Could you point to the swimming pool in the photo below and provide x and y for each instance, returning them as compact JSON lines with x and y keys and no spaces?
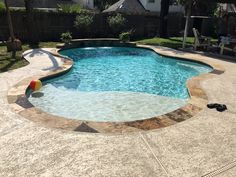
{"x":117,"y":84}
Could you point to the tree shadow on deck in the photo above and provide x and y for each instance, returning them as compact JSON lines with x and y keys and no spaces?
{"x":42,"y":52}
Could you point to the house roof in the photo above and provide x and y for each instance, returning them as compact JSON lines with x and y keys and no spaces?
{"x":127,"y":7}
{"x":231,"y":8}
{"x":39,"y":3}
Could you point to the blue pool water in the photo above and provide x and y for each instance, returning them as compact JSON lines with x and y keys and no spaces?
{"x":128,"y":69}
{"x":121,"y":77}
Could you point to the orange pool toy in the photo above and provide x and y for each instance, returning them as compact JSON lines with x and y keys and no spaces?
{"x":35,"y":85}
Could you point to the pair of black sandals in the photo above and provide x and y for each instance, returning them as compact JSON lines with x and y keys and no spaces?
{"x":219,"y":107}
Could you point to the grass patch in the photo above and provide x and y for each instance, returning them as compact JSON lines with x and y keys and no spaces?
{"x":174,"y":42}
{"x":8,"y":63}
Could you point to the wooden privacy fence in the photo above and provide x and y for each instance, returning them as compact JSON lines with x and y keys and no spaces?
{"x":49,"y":25}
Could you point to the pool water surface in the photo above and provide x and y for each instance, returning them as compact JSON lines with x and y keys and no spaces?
{"x":116,"y":84}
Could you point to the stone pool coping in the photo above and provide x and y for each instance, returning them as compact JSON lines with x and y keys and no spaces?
{"x":198,"y":99}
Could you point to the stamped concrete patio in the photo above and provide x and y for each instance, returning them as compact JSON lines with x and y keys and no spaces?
{"x":204,"y":145}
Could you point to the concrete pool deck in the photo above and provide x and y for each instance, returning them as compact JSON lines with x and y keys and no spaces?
{"x":204,"y":145}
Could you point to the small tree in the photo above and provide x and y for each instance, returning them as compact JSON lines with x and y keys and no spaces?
{"x":188,"y":8}
{"x":189,"y":4}
{"x":116,"y":23}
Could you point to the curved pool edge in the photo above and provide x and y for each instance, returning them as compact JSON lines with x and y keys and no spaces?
{"x":198,"y":99}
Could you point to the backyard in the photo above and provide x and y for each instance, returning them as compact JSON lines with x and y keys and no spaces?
{"x":118,"y":88}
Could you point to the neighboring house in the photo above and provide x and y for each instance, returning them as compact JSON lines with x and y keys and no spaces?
{"x":127,"y":7}
{"x":227,"y":8}
{"x":52,"y":3}
{"x":142,"y":6}
{"x":155,"y":6}
{"x":88,"y":4}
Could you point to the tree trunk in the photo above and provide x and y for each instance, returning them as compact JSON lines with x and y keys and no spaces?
{"x":30,"y":26}
{"x":164,"y":18}
{"x":188,"y":9}
{"x":10,"y":29}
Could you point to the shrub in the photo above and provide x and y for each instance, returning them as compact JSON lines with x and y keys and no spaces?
{"x":66,"y":37}
{"x":2,"y":7}
{"x":84,"y":21}
{"x":125,"y":37}
{"x":116,"y":23}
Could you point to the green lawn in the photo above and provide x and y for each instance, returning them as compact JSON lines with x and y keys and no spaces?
{"x":173,"y":42}
{"x":8,"y":63}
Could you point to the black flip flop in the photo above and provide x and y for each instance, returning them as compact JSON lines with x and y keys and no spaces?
{"x":213,"y":105}
{"x":221,"y":108}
